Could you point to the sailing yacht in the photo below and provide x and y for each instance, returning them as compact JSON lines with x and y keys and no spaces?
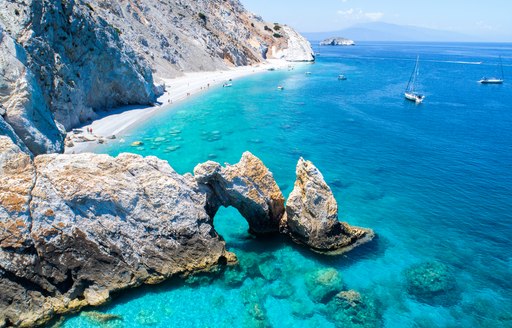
{"x":410,"y":93}
{"x":494,"y":80}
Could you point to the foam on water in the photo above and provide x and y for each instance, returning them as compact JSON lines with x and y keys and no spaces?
{"x":434,"y":181}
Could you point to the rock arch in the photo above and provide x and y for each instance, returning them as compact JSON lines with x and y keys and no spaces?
{"x":311,"y":214}
{"x":249,"y":187}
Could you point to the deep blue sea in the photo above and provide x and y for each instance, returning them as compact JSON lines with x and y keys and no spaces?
{"x":433,"y":180}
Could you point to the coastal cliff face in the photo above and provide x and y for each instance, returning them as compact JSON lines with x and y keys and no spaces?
{"x":62,"y":61}
{"x":76,"y":228}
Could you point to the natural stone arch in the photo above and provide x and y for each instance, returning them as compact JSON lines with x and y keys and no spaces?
{"x":247,"y":186}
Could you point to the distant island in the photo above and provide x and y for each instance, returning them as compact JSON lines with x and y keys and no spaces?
{"x":380,"y":31}
{"x":337,"y":42}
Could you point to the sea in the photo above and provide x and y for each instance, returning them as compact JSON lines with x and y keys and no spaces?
{"x":433,"y":180}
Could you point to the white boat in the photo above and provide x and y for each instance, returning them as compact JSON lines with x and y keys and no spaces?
{"x":227,"y":85}
{"x":491,"y":80}
{"x":494,"y":80}
{"x":342,"y":77}
{"x":308,"y":73}
{"x":410,"y":92}
{"x":280,"y":88}
{"x":413,"y":96}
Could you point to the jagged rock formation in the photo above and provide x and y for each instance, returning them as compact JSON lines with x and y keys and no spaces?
{"x":337,"y":42}
{"x":75,"y":228}
{"x":312,"y":215}
{"x":62,"y":61}
{"x":249,"y":187}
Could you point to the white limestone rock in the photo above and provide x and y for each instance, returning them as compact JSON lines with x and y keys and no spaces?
{"x":299,"y":49}
{"x":337,"y":42}
{"x":22,"y":101}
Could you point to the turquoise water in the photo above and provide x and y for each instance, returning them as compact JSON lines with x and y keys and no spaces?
{"x":433,"y":180}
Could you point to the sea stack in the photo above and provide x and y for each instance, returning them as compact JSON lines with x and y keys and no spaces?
{"x":312,"y":215}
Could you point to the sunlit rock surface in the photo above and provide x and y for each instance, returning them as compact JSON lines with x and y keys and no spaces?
{"x":76,"y":228}
{"x":312,"y":215}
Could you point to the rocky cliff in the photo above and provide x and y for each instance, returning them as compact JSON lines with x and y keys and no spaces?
{"x":76,"y":228}
{"x":62,"y":61}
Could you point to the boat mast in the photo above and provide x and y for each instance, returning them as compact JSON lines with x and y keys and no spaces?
{"x":501,"y":65}
{"x":412,"y":79}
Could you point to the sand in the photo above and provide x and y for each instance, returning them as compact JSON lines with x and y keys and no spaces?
{"x":177,"y":90}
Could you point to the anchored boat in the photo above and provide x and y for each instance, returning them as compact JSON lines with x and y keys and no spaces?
{"x":410,"y":92}
{"x":494,"y":80}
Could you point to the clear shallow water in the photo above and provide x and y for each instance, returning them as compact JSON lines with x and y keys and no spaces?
{"x":434,"y":181}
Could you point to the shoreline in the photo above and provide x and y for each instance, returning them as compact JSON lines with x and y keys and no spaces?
{"x":109,"y":124}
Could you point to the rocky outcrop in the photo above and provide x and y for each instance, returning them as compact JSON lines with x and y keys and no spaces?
{"x":63,"y":61}
{"x":298,"y":50}
{"x":312,"y":215}
{"x":249,"y":187}
{"x":76,"y":228}
{"x":337,"y":42}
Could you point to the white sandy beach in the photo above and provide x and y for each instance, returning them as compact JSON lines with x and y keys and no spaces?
{"x":177,"y":89}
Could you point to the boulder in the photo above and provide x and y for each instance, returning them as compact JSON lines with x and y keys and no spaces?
{"x":281,"y":289}
{"x":351,"y":309}
{"x":431,"y":283}
{"x":323,"y":284}
{"x":312,"y":215}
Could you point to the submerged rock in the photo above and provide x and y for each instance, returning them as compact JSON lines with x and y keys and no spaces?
{"x":281,"y":289}
{"x":432,"y":283}
{"x":303,"y":309}
{"x":351,"y":309}
{"x":147,"y":318}
{"x":312,"y":215}
{"x":323,"y":284}
{"x":101,"y":318}
{"x":137,"y":144}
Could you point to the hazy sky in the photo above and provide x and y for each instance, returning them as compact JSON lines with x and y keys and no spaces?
{"x":475,"y":17}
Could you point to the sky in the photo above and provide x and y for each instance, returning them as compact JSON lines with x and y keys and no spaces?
{"x":484,"y":18}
